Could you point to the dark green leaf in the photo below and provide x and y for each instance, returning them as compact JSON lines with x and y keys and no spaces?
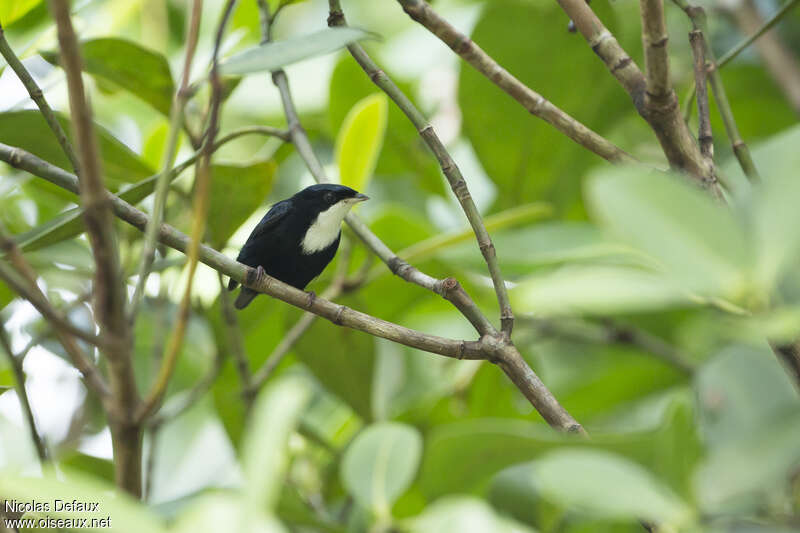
{"x":236,"y":191}
{"x":526,"y":157}
{"x":129,"y":66}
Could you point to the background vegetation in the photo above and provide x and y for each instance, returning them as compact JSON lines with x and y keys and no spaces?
{"x":661,"y":310}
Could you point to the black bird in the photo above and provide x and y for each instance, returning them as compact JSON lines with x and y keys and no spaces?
{"x":298,"y":237}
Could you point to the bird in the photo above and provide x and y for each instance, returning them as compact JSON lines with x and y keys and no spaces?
{"x":298,"y":237}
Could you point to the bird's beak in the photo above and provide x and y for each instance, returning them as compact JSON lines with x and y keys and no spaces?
{"x":360,"y":197}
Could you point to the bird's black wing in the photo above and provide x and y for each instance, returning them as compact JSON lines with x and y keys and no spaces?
{"x":276,"y":213}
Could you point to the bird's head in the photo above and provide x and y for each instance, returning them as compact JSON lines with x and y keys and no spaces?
{"x":328,"y":197}
{"x":326,"y":205}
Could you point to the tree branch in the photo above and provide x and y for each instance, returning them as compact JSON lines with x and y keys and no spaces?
{"x":487,"y":347}
{"x":449,"y":168}
{"x":37,"y":96}
{"x":532,"y":101}
{"x":109,"y":287}
{"x":704,"y":136}
{"x":179,"y":100}
{"x":663,"y":114}
{"x":22,"y":396}
{"x":654,"y":40}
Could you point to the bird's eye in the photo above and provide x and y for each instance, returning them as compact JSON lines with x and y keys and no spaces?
{"x":329,"y":197}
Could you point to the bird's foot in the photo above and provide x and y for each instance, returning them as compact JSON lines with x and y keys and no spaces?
{"x":260,"y":275}
{"x":312,"y":297}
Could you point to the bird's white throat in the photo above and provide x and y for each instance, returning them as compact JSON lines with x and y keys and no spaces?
{"x":326,"y":227}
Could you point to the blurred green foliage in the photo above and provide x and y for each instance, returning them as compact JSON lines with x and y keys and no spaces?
{"x":355,"y":434}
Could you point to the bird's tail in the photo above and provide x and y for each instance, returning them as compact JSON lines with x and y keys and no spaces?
{"x":245,"y":297}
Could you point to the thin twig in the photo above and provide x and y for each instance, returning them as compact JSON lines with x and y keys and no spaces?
{"x":498,"y":351}
{"x":698,"y":18}
{"x":613,"y":332}
{"x":734,"y":52}
{"x":704,"y":128}
{"x":449,"y":167}
{"x":233,"y":333}
{"x":65,"y":331}
{"x":37,"y":96}
{"x":22,"y":396}
{"x":199,"y":213}
{"x":191,"y":397}
{"x":532,"y":101}
{"x":777,"y":58}
{"x":162,"y":184}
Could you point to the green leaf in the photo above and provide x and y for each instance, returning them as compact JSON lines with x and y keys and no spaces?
{"x":126,"y":64}
{"x":463,"y":514}
{"x":29,"y":131}
{"x":741,"y":391}
{"x":265,"y":457}
{"x":6,"y":295}
{"x":527,"y":158}
{"x":606,"y":485}
{"x":70,"y":223}
{"x":742,"y":474}
{"x":404,"y":156}
{"x":699,"y":242}
{"x":380,"y":464}
{"x":776,"y":219}
{"x":11,"y":11}
{"x":597,"y":289}
{"x":275,"y":55}
{"x":237,"y":190}
{"x":342,"y":360}
{"x":360,"y":139}
{"x":126,"y":513}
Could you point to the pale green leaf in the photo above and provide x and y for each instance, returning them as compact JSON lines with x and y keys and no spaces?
{"x":699,"y":242}
{"x":463,"y":514}
{"x":596,"y":289}
{"x":275,"y":55}
{"x":380,"y":464}
{"x":265,"y":457}
{"x":360,"y":140}
{"x":606,"y":485}
{"x":126,"y":513}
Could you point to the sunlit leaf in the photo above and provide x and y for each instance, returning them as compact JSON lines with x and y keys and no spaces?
{"x":129,"y":66}
{"x":360,"y":140}
{"x":16,"y":9}
{"x":380,"y":464}
{"x":29,"y":131}
{"x":275,"y":55}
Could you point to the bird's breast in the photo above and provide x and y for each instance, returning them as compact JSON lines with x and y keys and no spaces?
{"x":324,"y":230}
